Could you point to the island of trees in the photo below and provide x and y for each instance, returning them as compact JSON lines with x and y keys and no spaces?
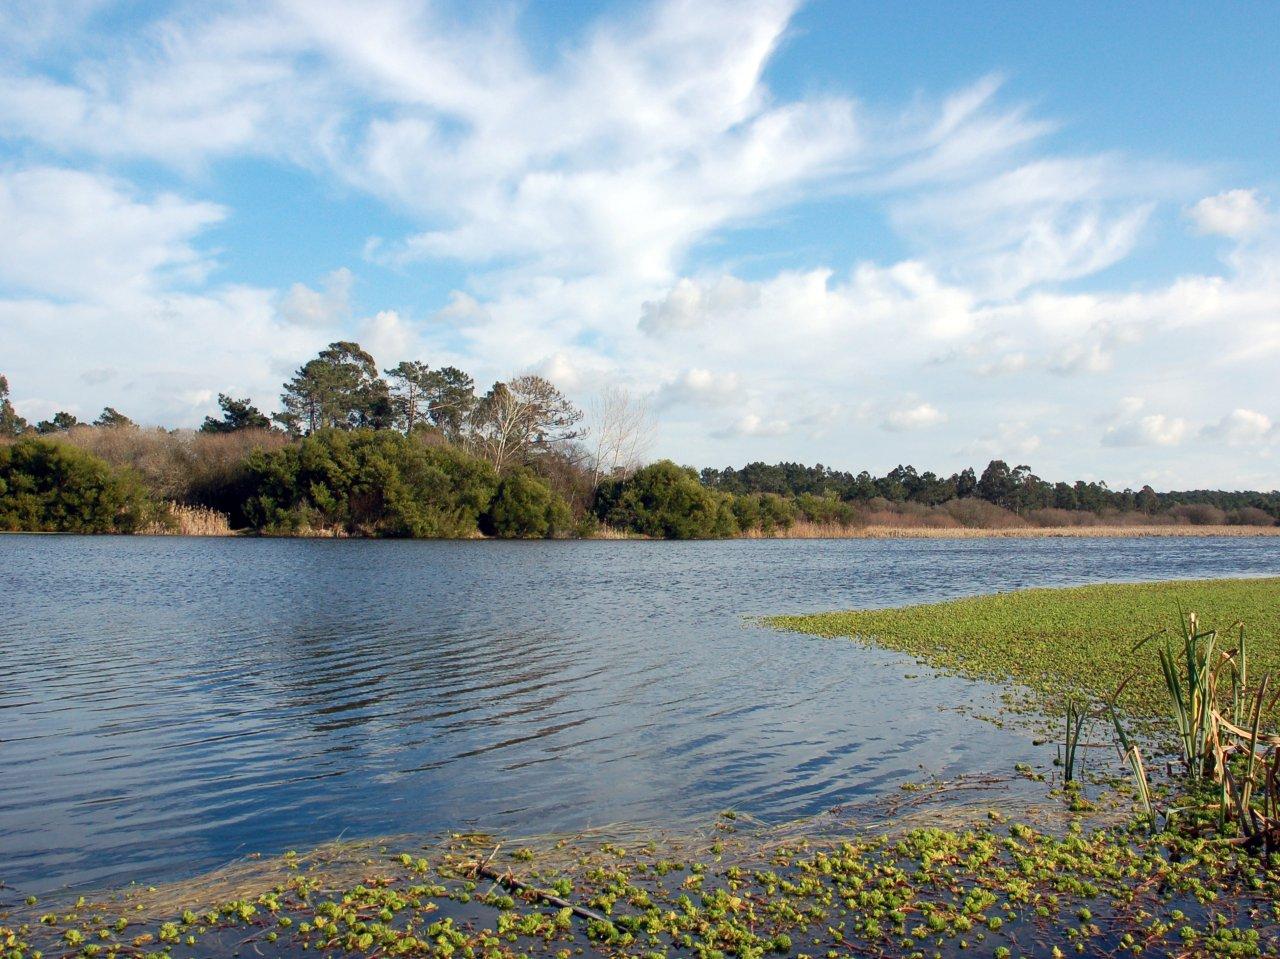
{"x":417,"y":451}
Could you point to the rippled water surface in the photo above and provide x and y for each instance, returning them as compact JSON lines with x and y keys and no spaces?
{"x":169,"y":704}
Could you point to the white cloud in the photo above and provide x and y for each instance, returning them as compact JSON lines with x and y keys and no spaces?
{"x":753,"y":425}
{"x":699,"y":387}
{"x":1241,"y":427}
{"x":327,"y":307}
{"x":1235,"y":213}
{"x":915,"y":416}
{"x":1010,"y":440}
{"x":463,"y":310}
{"x":387,"y":337}
{"x":113,"y":283}
{"x":584,"y":194}
{"x":1005,"y":365}
{"x":69,"y":233}
{"x":689,"y":303}
{"x":1156,"y":429}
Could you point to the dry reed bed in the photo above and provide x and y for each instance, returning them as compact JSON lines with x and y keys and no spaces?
{"x":836,"y":531}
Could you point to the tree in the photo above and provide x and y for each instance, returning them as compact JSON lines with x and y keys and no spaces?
{"x":409,"y":383}
{"x":236,"y":415}
{"x":515,"y":418}
{"x":420,"y":395}
{"x":11,"y":424}
{"x":1147,"y":500}
{"x":50,"y":486}
{"x":996,"y":485}
{"x":621,"y":430}
{"x":451,"y":396}
{"x":340,"y":388}
{"x":524,"y":507}
{"x":111,"y":418}
{"x":666,"y":501}
{"x":367,"y":482}
{"x":61,"y":422}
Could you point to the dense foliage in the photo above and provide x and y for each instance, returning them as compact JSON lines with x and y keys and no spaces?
{"x":367,"y":482}
{"x":52,"y":487}
{"x":1016,"y":489}
{"x":524,"y":507}
{"x":426,"y":455}
{"x":666,"y":501}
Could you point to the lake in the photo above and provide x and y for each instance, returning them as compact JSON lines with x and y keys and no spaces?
{"x":169,"y":704}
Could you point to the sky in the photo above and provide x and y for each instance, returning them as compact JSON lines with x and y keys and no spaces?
{"x":845,"y":232}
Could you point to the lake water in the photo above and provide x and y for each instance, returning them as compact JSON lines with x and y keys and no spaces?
{"x":169,"y":704}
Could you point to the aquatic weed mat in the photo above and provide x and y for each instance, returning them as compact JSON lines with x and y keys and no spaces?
{"x":1074,"y":641}
{"x":734,"y":888}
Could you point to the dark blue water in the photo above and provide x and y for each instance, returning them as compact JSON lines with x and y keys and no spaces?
{"x":169,"y":704}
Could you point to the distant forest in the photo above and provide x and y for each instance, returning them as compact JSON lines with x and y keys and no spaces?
{"x":416,"y":451}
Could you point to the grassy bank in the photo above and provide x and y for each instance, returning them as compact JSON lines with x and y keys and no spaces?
{"x":1055,"y":641}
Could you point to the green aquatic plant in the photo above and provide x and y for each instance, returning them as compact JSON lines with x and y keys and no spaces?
{"x":1056,"y":642}
{"x":1077,"y":714}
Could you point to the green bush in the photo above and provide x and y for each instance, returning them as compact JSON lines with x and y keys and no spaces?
{"x":666,"y":501}
{"x":55,"y":488}
{"x":767,"y":512}
{"x":367,"y":483}
{"x":524,"y":507}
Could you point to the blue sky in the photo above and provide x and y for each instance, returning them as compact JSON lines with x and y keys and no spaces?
{"x":853,"y":233}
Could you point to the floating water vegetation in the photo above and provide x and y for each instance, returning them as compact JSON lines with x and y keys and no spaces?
{"x":1055,"y":643}
{"x":988,"y":889}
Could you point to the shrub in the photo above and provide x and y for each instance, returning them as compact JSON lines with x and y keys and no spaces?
{"x":183,"y":466}
{"x":979,"y":514}
{"x":1198,"y":514}
{"x":524,"y":507}
{"x":666,"y":501}
{"x":826,"y":509}
{"x":369,"y":483}
{"x":1251,"y":516}
{"x":50,"y":487}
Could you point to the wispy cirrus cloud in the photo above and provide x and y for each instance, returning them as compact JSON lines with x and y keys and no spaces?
{"x":590,"y":191}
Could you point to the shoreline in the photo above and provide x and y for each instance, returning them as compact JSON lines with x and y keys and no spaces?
{"x":800,"y":531}
{"x":1017,"y":532}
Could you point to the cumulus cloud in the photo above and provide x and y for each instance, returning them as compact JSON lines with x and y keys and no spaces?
{"x":97,"y":272}
{"x":463,"y":309}
{"x":1155,"y":429}
{"x":753,"y":425}
{"x":1235,"y":213}
{"x":1241,"y":427}
{"x":914,"y":416}
{"x":699,"y":387}
{"x":387,"y":337}
{"x":68,"y":233}
{"x":328,"y":306}
{"x":689,"y":303}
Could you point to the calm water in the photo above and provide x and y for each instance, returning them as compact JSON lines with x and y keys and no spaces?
{"x":168,"y":704}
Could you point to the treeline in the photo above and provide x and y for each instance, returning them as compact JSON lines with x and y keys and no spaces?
{"x":417,"y":452}
{"x":1016,"y":489}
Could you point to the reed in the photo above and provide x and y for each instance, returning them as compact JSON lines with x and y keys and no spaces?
{"x":810,"y":530}
{"x":1077,"y":713}
{"x":180,"y":520}
{"x":1218,"y":720}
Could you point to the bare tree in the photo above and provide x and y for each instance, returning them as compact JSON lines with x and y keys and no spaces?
{"x":622,"y":428}
{"x":515,"y":419}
